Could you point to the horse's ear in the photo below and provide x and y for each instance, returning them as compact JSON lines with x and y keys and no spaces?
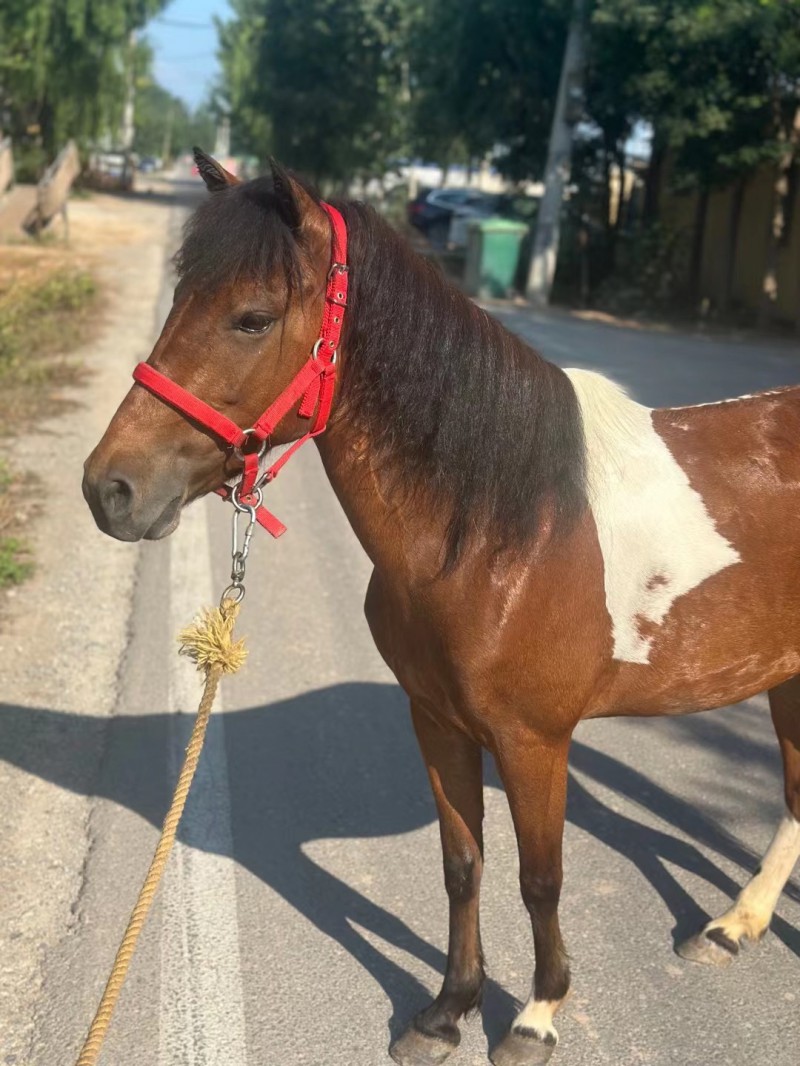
{"x":294,"y":204}
{"x":216,"y":177}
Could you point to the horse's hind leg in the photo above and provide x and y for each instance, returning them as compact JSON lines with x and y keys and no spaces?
{"x":454,"y":764}
{"x":748,"y":919}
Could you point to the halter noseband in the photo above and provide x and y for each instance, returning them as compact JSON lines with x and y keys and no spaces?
{"x":313,"y":385}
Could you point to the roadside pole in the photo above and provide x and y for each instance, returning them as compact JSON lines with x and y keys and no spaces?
{"x":128,"y":132}
{"x":567,"y":112}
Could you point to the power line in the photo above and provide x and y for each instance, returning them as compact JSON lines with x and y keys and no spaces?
{"x":166,"y":60}
{"x":181,"y":25}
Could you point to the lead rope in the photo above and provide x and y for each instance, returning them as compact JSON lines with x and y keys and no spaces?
{"x":209,"y":643}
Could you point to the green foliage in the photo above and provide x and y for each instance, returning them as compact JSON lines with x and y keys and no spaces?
{"x":41,"y":319}
{"x":165,"y":125}
{"x":484,"y":73}
{"x":15,"y":567}
{"x":718,"y":79}
{"x":30,"y":162}
{"x":651,"y":273}
{"x":318,"y":83}
{"x":63,"y":64}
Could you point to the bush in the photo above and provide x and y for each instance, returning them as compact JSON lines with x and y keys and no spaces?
{"x":650,"y":275}
{"x":42,"y":318}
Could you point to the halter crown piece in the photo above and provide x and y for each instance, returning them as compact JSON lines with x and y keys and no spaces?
{"x":313,"y":385}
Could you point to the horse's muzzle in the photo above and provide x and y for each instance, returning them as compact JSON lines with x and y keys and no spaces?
{"x":121,"y":510}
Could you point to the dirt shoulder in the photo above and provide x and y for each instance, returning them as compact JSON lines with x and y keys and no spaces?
{"x":62,"y":633}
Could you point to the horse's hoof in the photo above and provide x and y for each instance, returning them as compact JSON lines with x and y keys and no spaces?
{"x":711,"y":948}
{"x":523,"y":1048}
{"x":414,"y":1048}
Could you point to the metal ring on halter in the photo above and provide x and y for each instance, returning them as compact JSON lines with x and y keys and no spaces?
{"x":315,"y":351}
{"x":234,"y":593}
{"x":262,"y":451}
{"x":248,"y":508}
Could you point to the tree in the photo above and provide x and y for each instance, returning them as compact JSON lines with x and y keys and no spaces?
{"x":568,"y":109}
{"x":162,"y":121}
{"x":484,"y":75}
{"x":716,"y":79}
{"x":317,"y":82}
{"x":63,"y":64}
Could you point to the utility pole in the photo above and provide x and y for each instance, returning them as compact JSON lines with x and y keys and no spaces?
{"x":567,"y":113}
{"x":128,"y":131}
{"x":166,"y":145}
{"x":222,"y":145}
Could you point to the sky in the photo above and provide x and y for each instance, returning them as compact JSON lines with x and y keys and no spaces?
{"x":184,"y":40}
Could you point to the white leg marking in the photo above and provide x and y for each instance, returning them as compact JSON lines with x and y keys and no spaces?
{"x":752,"y":912}
{"x":657,"y":539}
{"x":537,"y":1016}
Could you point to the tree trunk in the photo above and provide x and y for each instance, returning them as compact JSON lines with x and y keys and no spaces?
{"x":47,"y":131}
{"x":698,"y":242}
{"x":606,"y":209}
{"x":777,"y":219}
{"x":652,"y":182}
{"x":734,"y":218}
{"x":545,"y":243}
{"x":127,"y":131}
{"x":622,"y":210}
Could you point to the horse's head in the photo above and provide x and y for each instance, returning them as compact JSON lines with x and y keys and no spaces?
{"x":246,"y":313}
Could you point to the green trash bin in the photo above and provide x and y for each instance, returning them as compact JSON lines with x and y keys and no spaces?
{"x":493,"y":248}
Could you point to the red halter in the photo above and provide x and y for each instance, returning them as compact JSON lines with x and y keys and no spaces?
{"x":313,"y":385}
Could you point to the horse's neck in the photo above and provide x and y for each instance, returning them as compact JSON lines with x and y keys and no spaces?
{"x":442,"y":400}
{"x":396,"y":529}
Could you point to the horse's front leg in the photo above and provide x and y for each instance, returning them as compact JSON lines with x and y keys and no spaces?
{"x":534,"y":772}
{"x":455,"y":771}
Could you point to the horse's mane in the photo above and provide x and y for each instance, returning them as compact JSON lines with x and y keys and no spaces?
{"x":449,"y":399}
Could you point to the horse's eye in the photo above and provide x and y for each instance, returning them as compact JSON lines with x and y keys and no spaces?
{"x":254,"y":322}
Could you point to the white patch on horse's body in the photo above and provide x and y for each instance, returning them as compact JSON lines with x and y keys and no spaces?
{"x":657,"y":539}
{"x":749,"y":917}
{"x":537,"y":1016}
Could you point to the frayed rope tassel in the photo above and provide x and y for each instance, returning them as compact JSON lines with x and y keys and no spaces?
{"x":209,"y":640}
{"x":209,"y":643}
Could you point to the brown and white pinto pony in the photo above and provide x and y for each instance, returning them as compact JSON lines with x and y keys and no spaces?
{"x":545,"y":549}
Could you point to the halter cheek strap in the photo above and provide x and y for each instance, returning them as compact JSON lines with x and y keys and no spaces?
{"x":313,"y":386}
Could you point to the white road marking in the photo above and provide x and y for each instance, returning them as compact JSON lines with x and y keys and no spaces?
{"x":202,"y":1020}
{"x":657,"y":538}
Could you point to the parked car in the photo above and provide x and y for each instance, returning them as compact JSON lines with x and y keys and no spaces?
{"x":433,"y":211}
{"x":517,"y":206}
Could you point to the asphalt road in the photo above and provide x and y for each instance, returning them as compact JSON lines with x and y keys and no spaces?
{"x":303,"y":919}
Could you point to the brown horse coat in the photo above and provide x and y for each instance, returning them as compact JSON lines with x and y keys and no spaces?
{"x":544,"y":549}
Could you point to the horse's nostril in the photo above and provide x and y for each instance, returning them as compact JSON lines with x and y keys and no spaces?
{"x":116,"y":496}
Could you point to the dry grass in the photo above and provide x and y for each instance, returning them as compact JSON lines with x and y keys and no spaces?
{"x":43,"y":317}
{"x":46,"y":312}
{"x":15,"y":509}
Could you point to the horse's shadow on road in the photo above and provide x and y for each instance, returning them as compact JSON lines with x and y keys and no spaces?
{"x":342,"y":762}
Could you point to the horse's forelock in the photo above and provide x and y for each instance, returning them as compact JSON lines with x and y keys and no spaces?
{"x":240,"y":234}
